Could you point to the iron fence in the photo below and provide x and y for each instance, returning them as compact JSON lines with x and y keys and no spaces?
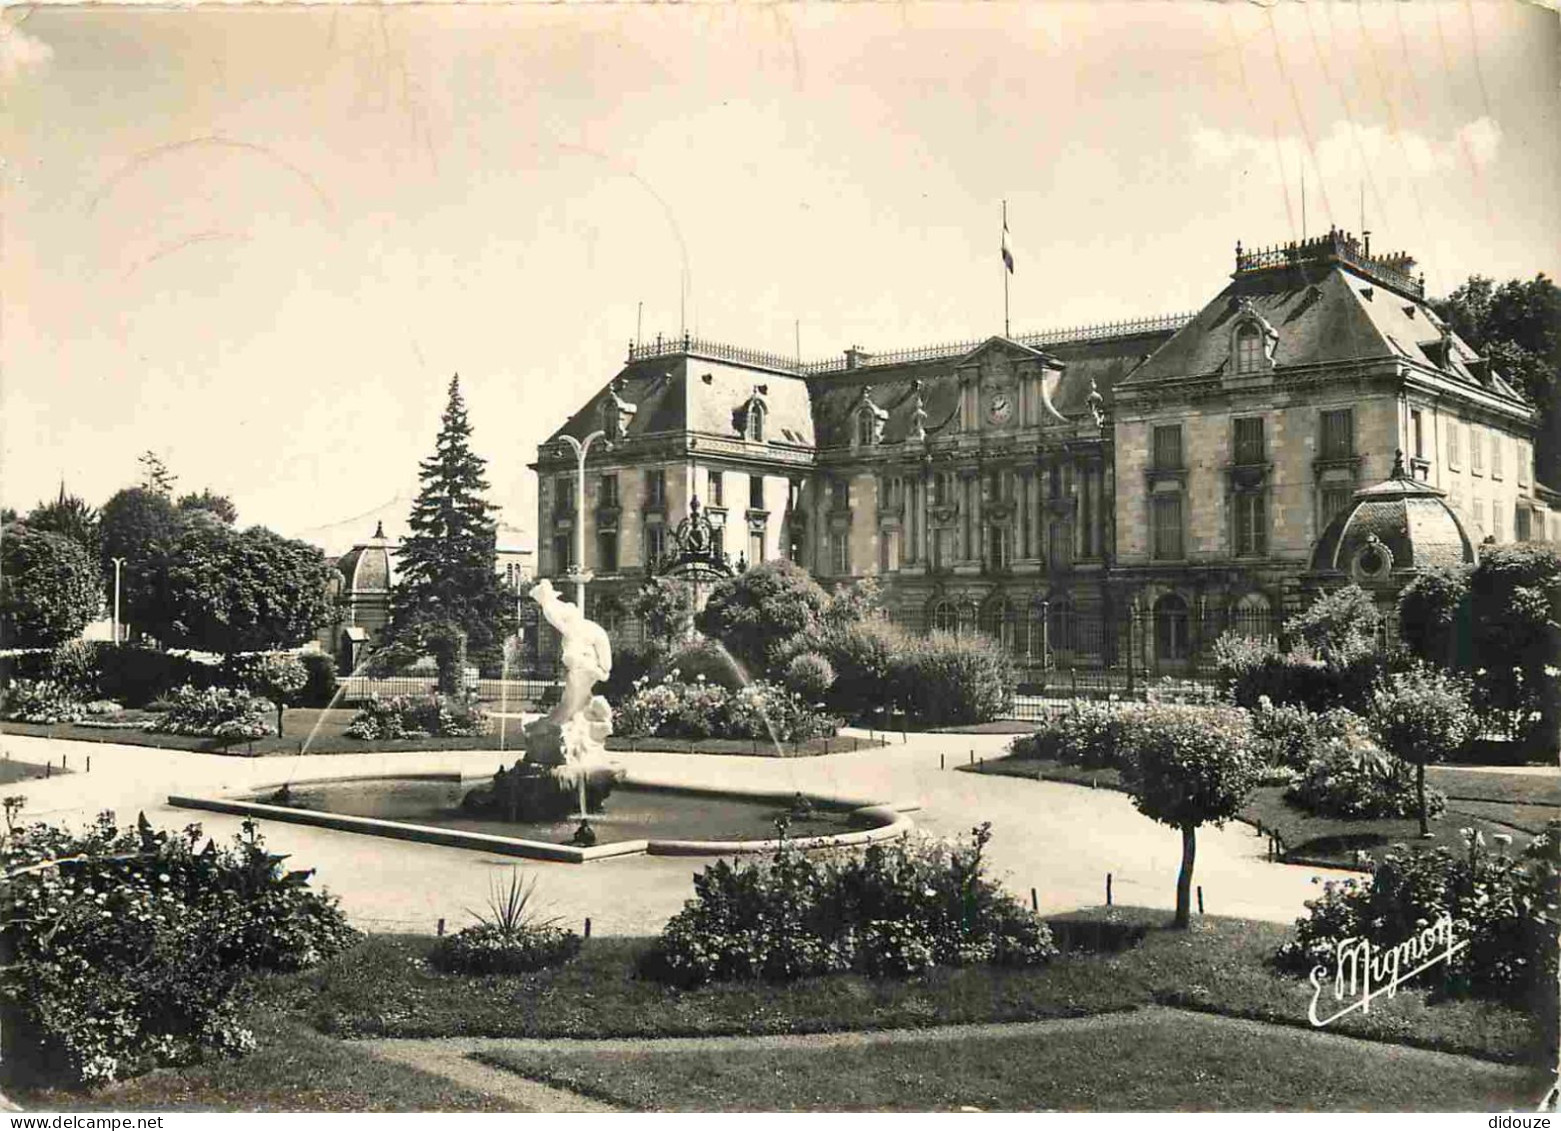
{"x":513,"y":693}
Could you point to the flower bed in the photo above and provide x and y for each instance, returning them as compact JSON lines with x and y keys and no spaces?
{"x":418,"y":716}
{"x":215,"y":712}
{"x":42,"y":701}
{"x":675,"y":708}
{"x":895,"y":910}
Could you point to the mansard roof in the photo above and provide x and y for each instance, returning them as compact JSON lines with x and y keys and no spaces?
{"x":1329,"y":302}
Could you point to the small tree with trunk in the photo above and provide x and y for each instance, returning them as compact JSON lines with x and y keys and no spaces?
{"x":1423,"y":716}
{"x":1191,"y":767}
{"x":279,"y":676}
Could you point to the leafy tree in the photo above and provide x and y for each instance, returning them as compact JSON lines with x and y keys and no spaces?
{"x":757,"y":611}
{"x":49,"y":588}
{"x":279,"y":676}
{"x":138,"y":525}
{"x":1514,"y":613}
{"x":8,"y":515}
{"x":854,"y":601}
{"x":1422,"y":715}
{"x":665,"y":606}
{"x":1338,"y":625}
{"x":1517,"y":326}
{"x":69,"y":515}
{"x":447,"y":563}
{"x":1190,"y":768}
{"x":1433,"y":615}
{"x":226,"y":590}
{"x":210,"y":502}
{"x":155,"y":476}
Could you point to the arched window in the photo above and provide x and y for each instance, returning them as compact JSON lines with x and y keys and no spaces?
{"x":967,"y":617}
{"x":944,"y":617}
{"x":1171,"y":628}
{"x":1253,"y":616}
{"x":864,"y":428}
{"x":1062,"y":627}
{"x":756,"y":422}
{"x":998,"y":620}
{"x":1249,"y":349}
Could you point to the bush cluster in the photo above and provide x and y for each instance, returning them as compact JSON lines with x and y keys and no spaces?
{"x":1251,"y":670}
{"x":215,"y":712}
{"x":698,"y":708}
{"x":895,"y":910}
{"x":1504,"y":907}
{"x":41,"y":701}
{"x":1353,"y":779}
{"x":130,"y":947}
{"x":1293,"y":737}
{"x":810,"y":675}
{"x":488,"y":948}
{"x":418,"y":716}
{"x":1097,"y":735}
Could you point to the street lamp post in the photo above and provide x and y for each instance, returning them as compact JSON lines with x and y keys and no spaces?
{"x":118,"y":562}
{"x":581,"y":450}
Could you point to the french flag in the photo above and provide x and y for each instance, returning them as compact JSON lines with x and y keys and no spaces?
{"x":1008,"y":255}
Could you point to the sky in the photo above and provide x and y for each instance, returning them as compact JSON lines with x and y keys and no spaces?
{"x":260,"y":241}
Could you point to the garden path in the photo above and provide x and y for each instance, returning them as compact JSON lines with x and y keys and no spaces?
{"x":1060,"y":839}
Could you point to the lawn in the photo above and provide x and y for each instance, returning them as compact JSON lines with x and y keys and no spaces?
{"x":298,"y":723}
{"x":293,"y":1069}
{"x":12,"y":772}
{"x":385,"y":988}
{"x":1179,"y":1062}
{"x":1494,"y":803}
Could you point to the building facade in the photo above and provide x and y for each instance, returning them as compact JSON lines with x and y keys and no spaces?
{"x":1039,"y":488}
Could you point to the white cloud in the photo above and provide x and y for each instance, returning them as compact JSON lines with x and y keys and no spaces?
{"x":20,"y":52}
{"x":1341,"y":154}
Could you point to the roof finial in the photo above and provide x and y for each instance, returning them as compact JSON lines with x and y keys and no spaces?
{"x":1398,"y":465}
{"x":379,"y":530}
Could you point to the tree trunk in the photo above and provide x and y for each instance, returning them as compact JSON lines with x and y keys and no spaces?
{"x":1184,"y":877}
{"x":1420,"y":793}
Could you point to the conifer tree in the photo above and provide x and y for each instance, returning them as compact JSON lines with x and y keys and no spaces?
{"x":446,"y":567}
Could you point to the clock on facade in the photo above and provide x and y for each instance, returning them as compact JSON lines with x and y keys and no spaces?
{"x":1000,"y":408}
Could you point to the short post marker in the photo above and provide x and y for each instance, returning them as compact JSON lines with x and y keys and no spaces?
{"x":48,"y":768}
{"x":941,"y":761}
{"x":1108,"y":889}
{"x":1035,"y":900}
{"x":64,"y":761}
{"x":441,"y":928}
{"x":587,"y":926}
{"x":89,"y":763}
{"x":972,"y":757}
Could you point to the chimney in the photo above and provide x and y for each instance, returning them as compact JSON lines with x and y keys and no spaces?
{"x":856,"y":357}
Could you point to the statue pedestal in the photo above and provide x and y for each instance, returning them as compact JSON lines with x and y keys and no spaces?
{"x":546,"y":783}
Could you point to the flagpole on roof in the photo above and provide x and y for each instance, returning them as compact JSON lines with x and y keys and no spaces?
{"x":1008,"y":267}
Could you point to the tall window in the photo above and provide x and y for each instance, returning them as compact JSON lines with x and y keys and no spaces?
{"x":1168,"y":527}
{"x":940,"y":488}
{"x":717,"y":489}
{"x":1498,"y":442}
{"x":839,"y":553}
{"x":1417,"y":433}
{"x":1525,"y":524}
{"x":1170,"y":628}
{"x":1476,"y":450}
{"x":1000,"y":545}
{"x":942,"y":554}
{"x":1335,"y":500}
{"x":563,"y":547}
{"x":944,"y":618}
{"x":756,"y":422}
{"x":1060,"y":545}
{"x":1479,"y":515}
{"x":607,"y":491}
{"x":1454,"y":456}
{"x":756,"y":492}
{"x":1249,"y":349}
{"x":566,"y":495}
{"x":656,"y":488}
{"x":1338,"y":433}
{"x":864,"y":428}
{"x":839,"y":494}
{"x":607,"y":551}
{"x":1249,"y":440}
{"x":1524,"y":456}
{"x":655,"y":543}
{"x":1251,"y":524}
{"x":755,"y":547}
{"x":1168,"y":447}
{"x":1498,"y":526}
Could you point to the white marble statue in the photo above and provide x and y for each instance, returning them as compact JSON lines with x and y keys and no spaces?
{"x":581,"y":720}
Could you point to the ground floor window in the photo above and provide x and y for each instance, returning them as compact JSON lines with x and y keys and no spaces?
{"x":1251,"y":525}
{"x":1171,"y":628}
{"x":839,"y":553}
{"x":944,"y":618}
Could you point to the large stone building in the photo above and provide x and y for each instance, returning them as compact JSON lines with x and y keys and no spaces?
{"x":1037,"y":488}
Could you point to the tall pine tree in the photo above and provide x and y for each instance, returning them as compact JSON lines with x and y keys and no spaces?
{"x":446,"y":567}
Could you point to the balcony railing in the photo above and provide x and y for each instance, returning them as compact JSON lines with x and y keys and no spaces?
{"x":1391,"y":270}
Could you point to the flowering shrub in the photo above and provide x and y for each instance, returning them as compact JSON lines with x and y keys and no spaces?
{"x":129,"y":945}
{"x":1504,"y":908}
{"x":42,"y":701}
{"x":1351,"y":778}
{"x":511,"y":939}
{"x":1292,"y":736}
{"x":417,"y":716}
{"x":1101,"y":735}
{"x":675,"y":708}
{"x":216,"y":712}
{"x":810,"y":676}
{"x":946,"y":680}
{"x":895,"y":910}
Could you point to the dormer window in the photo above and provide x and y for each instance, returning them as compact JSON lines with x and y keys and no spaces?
{"x":1249,"y":349}
{"x":864,"y":428}
{"x":756,"y":421}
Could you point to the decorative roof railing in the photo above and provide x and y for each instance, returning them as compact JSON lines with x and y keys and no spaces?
{"x":1392,"y":270}
{"x":720,"y":351}
{"x":859,"y":359}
